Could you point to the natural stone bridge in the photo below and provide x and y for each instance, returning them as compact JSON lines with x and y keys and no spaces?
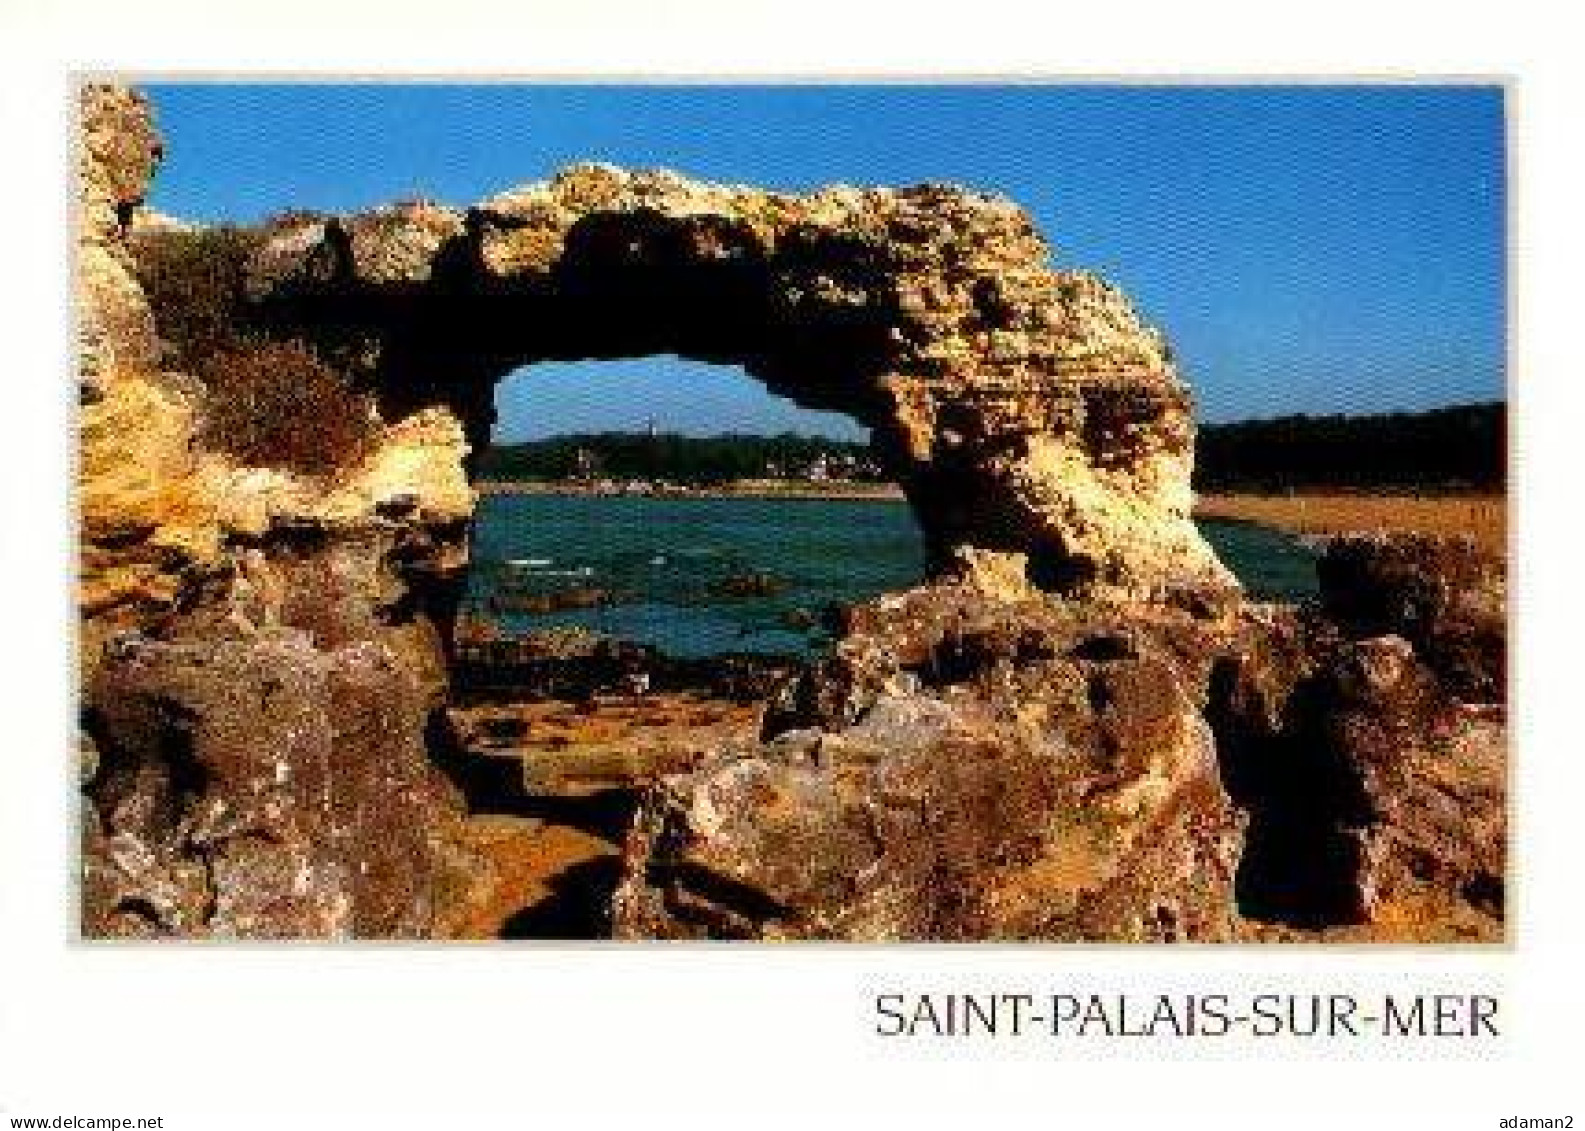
{"x":1018,"y":749}
{"x":1035,"y":423}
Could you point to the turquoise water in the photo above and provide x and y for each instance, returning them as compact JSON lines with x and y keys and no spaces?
{"x":1270,"y":564}
{"x":700,"y":576}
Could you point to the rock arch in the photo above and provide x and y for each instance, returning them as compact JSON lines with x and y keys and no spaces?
{"x":263,"y":651}
{"x":1036,"y":424}
{"x":1039,"y":743}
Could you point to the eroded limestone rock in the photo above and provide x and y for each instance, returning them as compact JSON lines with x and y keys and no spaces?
{"x":1444,"y":595}
{"x":117,"y":155}
{"x":959,"y":769}
{"x":1064,"y":735}
{"x":259,"y":787}
{"x":1037,"y":424}
{"x":965,"y":769}
{"x":1374,"y":771}
{"x":260,"y":650}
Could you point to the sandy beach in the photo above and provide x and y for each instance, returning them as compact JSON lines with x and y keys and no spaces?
{"x":1485,"y":517}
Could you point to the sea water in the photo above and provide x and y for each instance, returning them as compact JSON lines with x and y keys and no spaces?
{"x":699,"y":576}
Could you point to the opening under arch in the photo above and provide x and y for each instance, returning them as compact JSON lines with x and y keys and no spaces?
{"x":680,"y":506}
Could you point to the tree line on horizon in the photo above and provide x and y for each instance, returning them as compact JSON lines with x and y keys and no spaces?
{"x":665,"y":455}
{"x":1461,"y":447}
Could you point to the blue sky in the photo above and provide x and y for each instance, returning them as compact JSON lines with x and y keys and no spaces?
{"x":1306,"y":249}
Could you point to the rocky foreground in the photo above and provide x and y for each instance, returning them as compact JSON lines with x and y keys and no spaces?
{"x":963,"y":771}
{"x":1077,"y":729}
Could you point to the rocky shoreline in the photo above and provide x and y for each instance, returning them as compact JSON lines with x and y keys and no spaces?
{"x":744,"y":489}
{"x":1078,"y":729}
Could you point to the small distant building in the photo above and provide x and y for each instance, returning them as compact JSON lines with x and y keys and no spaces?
{"x":585,"y":465}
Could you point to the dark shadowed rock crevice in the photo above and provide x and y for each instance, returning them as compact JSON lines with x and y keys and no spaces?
{"x":1373,"y":764}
